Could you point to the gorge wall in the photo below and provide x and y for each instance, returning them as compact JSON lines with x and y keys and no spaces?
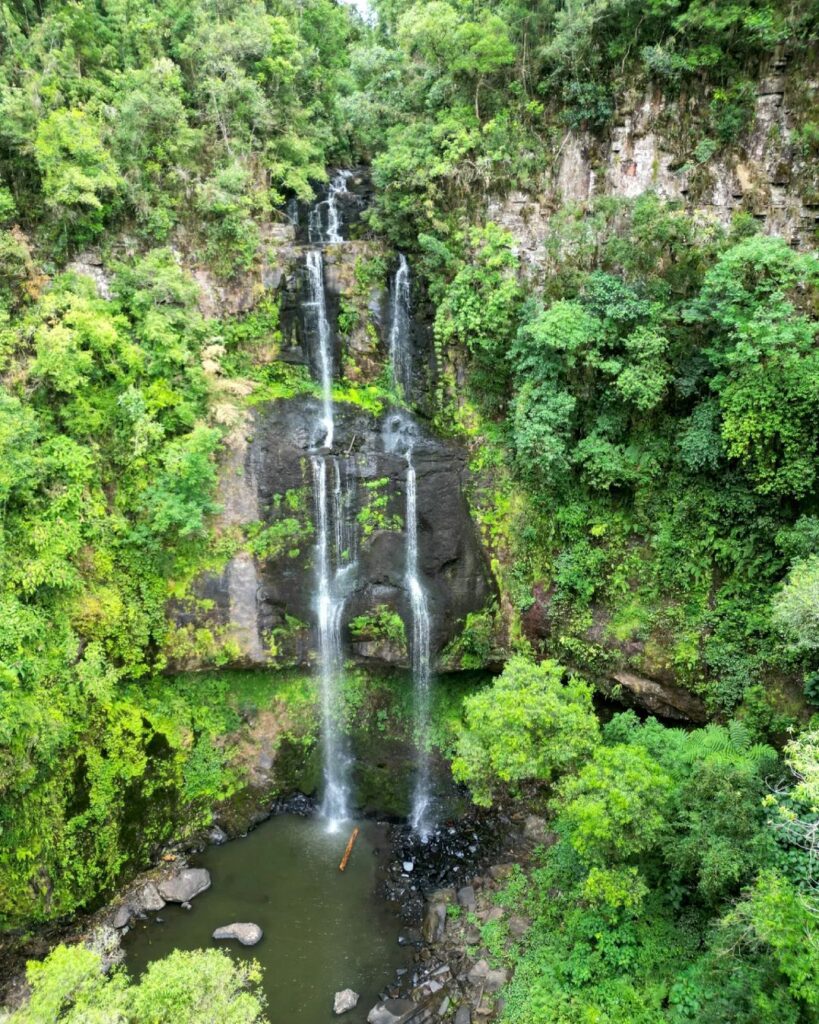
{"x":260,"y":607}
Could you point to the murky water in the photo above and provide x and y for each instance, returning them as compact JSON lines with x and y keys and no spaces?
{"x":323,"y":930}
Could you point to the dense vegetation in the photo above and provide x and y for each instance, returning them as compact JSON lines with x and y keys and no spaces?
{"x":681,"y":880}
{"x":642,"y":413}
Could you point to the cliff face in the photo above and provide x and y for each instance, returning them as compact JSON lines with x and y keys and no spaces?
{"x":656,"y":144}
{"x":263,"y":602}
{"x":261,"y":608}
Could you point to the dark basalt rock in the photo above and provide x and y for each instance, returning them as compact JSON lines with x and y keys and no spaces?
{"x":277,"y":460}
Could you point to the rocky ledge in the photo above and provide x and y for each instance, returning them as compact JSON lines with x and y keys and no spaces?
{"x":447,"y":891}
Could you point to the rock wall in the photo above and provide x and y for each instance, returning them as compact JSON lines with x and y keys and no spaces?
{"x":260,"y":608}
{"x":651,"y":146}
{"x":264,"y":603}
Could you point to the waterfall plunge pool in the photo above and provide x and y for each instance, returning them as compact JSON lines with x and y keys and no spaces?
{"x":323,"y":930}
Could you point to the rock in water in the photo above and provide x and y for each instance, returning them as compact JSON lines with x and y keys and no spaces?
{"x":217,"y":836}
{"x":344,"y":1001}
{"x":150,"y":898}
{"x":184,"y":886}
{"x":122,"y":917}
{"x":390,"y":1011}
{"x":245,"y":932}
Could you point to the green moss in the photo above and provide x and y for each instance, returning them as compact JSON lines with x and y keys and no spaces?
{"x":374,"y":514}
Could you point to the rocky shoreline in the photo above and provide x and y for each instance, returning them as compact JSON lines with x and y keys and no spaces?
{"x":445,"y":890}
{"x":441,"y":888}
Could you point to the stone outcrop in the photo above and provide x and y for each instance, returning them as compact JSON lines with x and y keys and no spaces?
{"x":652,"y":146}
{"x":183,"y":886}
{"x":244,"y":932}
{"x":265,"y":603}
{"x":661,"y":698}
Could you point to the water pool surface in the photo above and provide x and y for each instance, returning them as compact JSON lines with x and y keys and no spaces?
{"x":323,"y":930}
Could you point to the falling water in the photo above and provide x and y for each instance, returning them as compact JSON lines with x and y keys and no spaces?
{"x":334,"y":572}
{"x":334,"y":554}
{"x":328,"y":211}
{"x":400,"y":437}
{"x":316,"y":306}
{"x":419,"y":653}
{"x":400,"y":356}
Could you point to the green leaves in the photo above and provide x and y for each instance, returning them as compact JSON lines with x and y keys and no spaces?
{"x":79,"y":173}
{"x":529,"y":726}
{"x":70,"y":986}
{"x":616,"y":806}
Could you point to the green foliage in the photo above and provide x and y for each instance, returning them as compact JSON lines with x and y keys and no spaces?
{"x":374,"y":513}
{"x":616,"y":806}
{"x":205,"y":985}
{"x":530,"y":725}
{"x":796,"y":606}
{"x":79,"y":173}
{"x":661,"y":899}
{"x":383,"y":623}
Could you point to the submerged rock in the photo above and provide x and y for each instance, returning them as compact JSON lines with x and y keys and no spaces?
{"x":344,"y":1001}
{"x":390,"y":1011}
{"x":217,"y":836}
{"x":183,"y":887}
{"x":245,"y":932}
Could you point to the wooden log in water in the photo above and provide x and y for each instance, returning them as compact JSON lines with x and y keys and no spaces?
{"x":349,"y":850}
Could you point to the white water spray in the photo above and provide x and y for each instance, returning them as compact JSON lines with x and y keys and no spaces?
{"x":400,"y":438}
{"x":421,"y":674}
{"x":334,"y":572}
{"x":316,"y":306}
{"x":399,"y":339}
{"x":324,"y":226}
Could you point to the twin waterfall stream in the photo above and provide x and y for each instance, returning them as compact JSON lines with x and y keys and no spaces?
{"x":335,"y":548}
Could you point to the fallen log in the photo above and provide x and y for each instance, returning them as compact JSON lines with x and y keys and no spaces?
{"x":349,"y":850}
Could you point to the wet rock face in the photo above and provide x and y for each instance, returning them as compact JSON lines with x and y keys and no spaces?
{"x":372,"y":481}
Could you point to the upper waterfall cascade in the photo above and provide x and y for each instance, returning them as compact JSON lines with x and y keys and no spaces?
{"x":334,"y":564}
{"x":400,"y":325}
{"x":325,"y":222}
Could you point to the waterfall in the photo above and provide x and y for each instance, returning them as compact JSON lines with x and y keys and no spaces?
{"x":319,"y":232}
{"x":420,"y":655}
{"x":400,"y":437}
{"x":399,"y":338}
{"x":334,"y":572}
{"x":316,"y":306}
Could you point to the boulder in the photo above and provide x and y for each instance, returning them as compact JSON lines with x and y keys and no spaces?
{"x":217,"y":836}
{"x":477,"y":972}
{"x":390,"y":1011}
{"x":434,"y":924}
{"x":495,"y":980}
{"x":184,"y":886}
{"x":245,"y":932}
{"x":466,"y":898}
{"x":537,"y":831}
{"x":447,"y":896}
{"x":344,"y":1001}
{"x":463,"y":1015}
{"x":149,"y":897}
{"x":122,"y":917}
